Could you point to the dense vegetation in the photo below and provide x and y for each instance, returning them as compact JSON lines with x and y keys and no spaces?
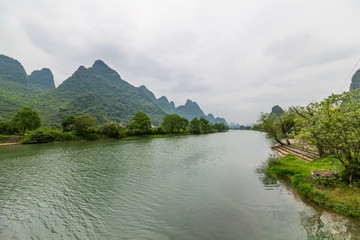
{"x":76,"y":127}
{"x":328,"y":192}
{"x":332,"y":128}
{"x":98,"y":91}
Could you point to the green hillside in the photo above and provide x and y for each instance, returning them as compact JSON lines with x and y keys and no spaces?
{"x":15,"y":90}
{"x":42,"y":79}
{"x":99,"y":91}
{"x":189,"y":111}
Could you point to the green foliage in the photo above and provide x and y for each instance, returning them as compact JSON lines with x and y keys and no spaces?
{"x":7,"y":128}
{"x":97,"y":90}
{"x":41,"y":136}
{"x":194,"y":126}
{"x":277,"y":127}
{"x":200,"y":126}
{"x":220,"y":127}
{"x":173,"y":123}
{"x":46,"y":135}
{"x":100,"y":92}
{"x":113,"y":130}
{"x":26,"y":119}
{"x":140,"y":124}
{"x":327,"y":192}
{"x":333,"y":127}
{"x":84,"y":125}
{"x":68,"y":123}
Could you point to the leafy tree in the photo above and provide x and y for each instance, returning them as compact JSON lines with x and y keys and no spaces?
{"x":26,"y":119}
{"x":174,"y":123}
{"x":7,"y":128}
{"x":68,"y":123}
{"x":84,"y":124}
{"x":113,"y":130}
{"x":277,"y":127}
{"x":194,"y":126}
{"x":140,"y":124}
{"x":205,"y":126}
{"x":42,"y":135}
{"x":333,"y":126}
{"x":200,"y":126}
{"x":220,"y":127}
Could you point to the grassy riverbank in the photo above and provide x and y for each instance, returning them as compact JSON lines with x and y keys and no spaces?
{"x":331,"y":193}
{"x":13,"y":139}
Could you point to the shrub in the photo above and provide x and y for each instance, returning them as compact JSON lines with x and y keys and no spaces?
{"x":91,"y":136}
{"x":41,"y":136}
{"x":113,"y":130}
{"x":7,"y":128}
{"x":68,"y":136}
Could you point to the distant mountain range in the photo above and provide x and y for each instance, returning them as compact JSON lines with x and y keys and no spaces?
{"x":97,"y":90}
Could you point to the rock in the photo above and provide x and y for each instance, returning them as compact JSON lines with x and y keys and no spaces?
{"x":323,"y":173}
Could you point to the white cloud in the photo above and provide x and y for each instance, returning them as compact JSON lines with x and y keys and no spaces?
{"x":234,"y":58}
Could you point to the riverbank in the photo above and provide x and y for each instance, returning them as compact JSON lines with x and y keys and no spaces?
{"x":328,"y":192}
{"x":16,"y":140}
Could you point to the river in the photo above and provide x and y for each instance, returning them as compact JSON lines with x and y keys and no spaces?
{"x":188,"y":187}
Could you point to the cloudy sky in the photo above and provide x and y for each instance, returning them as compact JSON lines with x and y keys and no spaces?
{"x":234,"y":58}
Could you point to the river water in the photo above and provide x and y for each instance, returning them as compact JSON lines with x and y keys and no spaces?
{"x":191,"y":187}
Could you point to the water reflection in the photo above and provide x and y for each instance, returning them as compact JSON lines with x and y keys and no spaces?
{"x":315,"y":222}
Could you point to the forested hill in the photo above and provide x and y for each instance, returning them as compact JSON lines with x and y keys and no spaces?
{"x":101,"y":92}
{"x":355,"y":81}
{"x":189,"y":111}
{"x":17,"y":89}
{"x":97,"y":90}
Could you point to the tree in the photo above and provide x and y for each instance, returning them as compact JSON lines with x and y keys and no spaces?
{"x":84,"y":124}
{"x":220,"y":127}
{"x":26,"y":119}
{"x":200,"y":126}
{"x":277,"y":127}
{"x":68,"y":123}
{"x":174,"y":123}
{"x":140,"y":124}
{"x":333,"y":126}
{"x":8,"y":128}
{"x":205,"y":126}
{"x":113,"y":130}
{"x":194,"y":126}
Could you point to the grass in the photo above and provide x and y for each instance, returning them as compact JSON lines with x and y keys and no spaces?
{"x":331,"y":193}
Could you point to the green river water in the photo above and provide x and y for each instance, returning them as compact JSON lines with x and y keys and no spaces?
{"x":190,"y":187}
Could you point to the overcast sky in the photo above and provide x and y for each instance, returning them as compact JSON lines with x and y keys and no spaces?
{"x":234,"y":58}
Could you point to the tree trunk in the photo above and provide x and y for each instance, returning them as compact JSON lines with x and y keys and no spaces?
{"x":276,"y":139}
{"x":24,"y":131}
{"x":288,"y":142}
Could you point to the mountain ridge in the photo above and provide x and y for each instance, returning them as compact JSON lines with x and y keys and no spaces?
{"x":98,"y":90}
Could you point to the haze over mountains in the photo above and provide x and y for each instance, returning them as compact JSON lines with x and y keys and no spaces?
{"x":97,"y":90}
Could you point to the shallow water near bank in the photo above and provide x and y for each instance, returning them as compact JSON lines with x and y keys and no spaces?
{"x":188,"y":187}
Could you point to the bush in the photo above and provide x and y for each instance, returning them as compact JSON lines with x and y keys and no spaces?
{"x":68,"y":136}
{"x":91,"y":136}
{"x":41,"y":136}
{"x":7,"y":128}
{"x":113,"y":130}
{"x":46,"y":135}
